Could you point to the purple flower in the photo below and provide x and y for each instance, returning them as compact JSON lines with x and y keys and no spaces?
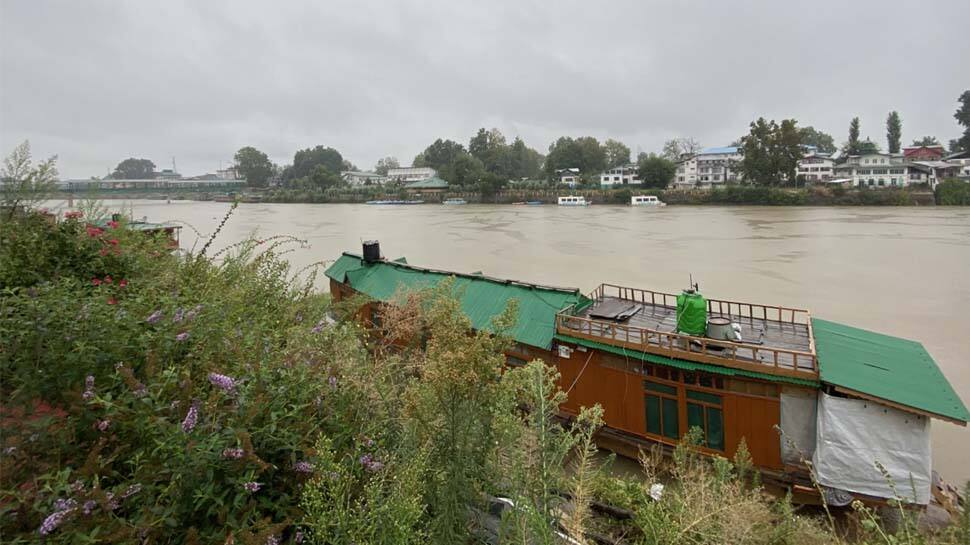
{"x":333,"y":381}
{"x":154,"y":317}
{"x":112,"y":502}
{"x":318,"y":328}
{"x":58,"y":517}
{"x":298,"y":536}
{"x":224,"y":383}
{"x":233,"y":453}
{"x":64,"y":505}
{"x":182,"y":336}
{"x":252,"y":486}
{"x":191,"y":417}
{"x":89,"y":507}
{"x":88,"y":388}
{"x":370,"y":464}
{"x":273,"y":540}
{"x":179,"y":315}
{"x":103,"y":425}
{"x":303,"y":467}
{"x":77,"y":486}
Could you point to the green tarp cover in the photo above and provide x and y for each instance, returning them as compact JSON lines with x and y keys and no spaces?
{"x":683,"y":364}
{"x":890,"y":368}
{"x":481,"y":298}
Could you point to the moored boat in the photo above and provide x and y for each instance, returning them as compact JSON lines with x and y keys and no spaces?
{"x":395,"y":201}
{"x":573,"y":200}
{"x":646,"y":200}
{"x":802,"y":394}
{"x":454,"y":201}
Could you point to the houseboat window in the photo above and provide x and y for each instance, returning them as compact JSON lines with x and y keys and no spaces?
{"x":660,"y":402}
{"x":512,"y":360}
{"x":704,"y":412}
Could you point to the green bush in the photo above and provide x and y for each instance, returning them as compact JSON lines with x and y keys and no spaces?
{"x":953,"y":193}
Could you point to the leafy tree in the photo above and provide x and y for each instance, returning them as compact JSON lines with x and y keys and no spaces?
{"x":439,"y":154}
{"x":955,"y":146}
{"x":254,"y":166}
{"x":617,"y":153}
{"x":677,"y":147}
{"x":526,"y":162}
{"x":926,"y":141}
{"x":771,"y":152}
{"x":584,"y":153}
{"x":656,"y":170}
{"x":23,"y":184}
{"x":485,"y":143}
{"x":385,"y":164}
{"x":962,"y":116}
{"x":852,"y":147}
{"x":134,"y":169}
{"x":868,"y":146}
{"x":323,"y":178}
{"x":348,"y":166}
{"x":305,"y":162}
{"x":464,"y":170}
{"x":894,"y":131}
{"x":823,"y":142}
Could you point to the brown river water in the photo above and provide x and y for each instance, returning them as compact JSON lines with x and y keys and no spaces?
{"x":900,"y":271}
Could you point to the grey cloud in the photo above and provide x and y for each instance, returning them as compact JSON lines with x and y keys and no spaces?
{"x":96,"y":82}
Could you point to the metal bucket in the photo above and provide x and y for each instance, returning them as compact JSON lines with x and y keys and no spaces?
{"x":720,"y":328}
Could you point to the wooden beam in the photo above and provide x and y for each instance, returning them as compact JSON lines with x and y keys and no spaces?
{"x":899,"y":406}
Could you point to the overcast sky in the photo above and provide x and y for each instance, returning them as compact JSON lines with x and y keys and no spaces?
{"x":95,"y":82}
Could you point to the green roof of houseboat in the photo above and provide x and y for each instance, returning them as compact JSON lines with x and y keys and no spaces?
{"x":482,"y":298}
{"x":884,"y":367}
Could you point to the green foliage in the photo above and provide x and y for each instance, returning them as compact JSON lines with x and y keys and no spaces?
{"x":134,"y":169}
{"x":617,"y":153}
{"x":810,"y":136}
{"x":771,"y":152}
{"x":23,"y":184}
{"x":962,"y":115}
{"x":852,"y":146}
{"x":676,"y":148}
{"x":584,"y":153}
{"x":440,"y":154}
{"x":894,"y":131}
{"x":385,"y":164}
{"x":926,"y":141}
{"x":953,"y":193}
{"x":307,"y":161}
{"x":656,"y":171}
{"x":868,"y":146}
{"x":254,"y":166}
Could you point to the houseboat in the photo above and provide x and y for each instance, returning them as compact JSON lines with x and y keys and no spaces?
{"x":573,"y":200}
{"x":646,"y":200}
{"x":799,"y":391}
{"x":396,"y":201}
{"x":454,"y":201}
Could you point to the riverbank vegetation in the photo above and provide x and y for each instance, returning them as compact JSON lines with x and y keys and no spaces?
{"x":217,"y":397}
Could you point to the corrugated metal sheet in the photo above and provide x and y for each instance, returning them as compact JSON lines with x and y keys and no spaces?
{"x":482,"y":298}
{"x":890,"y":368}
{"x":685,"y":365}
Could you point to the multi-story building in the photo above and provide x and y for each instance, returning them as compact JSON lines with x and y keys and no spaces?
{"x":622,"y":175}
{"x":712,"y":166}
{"x":962,"y":161}
{"x":816,"y":166}
{"x":875,"y":170}
{"x":410,"y":174}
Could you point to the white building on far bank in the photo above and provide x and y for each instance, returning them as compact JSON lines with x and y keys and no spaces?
{"x":816,"y":166}
{"x":362,"y":178}
{"x":568,"y":176}
{"x":622,"y":175}
{"x":410,"y":174}
{"x":878,"y":170}
{"x":712,"y":166}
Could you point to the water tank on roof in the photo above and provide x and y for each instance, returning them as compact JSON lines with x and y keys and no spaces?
{"x":372,"y":251}
{"x":691,"y":313}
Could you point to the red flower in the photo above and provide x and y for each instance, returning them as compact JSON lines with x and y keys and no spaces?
{"x":112,"y":301}
{"x":103,"y":252}
{"x":113,"y":224}
{"x":123,"y":283}
{"x":96,"y":281}
{"x":94,"y":231}
{"x":107,"y":279}
{"x":113,"y":242}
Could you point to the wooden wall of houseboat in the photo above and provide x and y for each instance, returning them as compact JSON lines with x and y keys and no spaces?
{"x":751,"y":408}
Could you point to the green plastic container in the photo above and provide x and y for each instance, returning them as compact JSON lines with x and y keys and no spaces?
{"x":691,"y":313}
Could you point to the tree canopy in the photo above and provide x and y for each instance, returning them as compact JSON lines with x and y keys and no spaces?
{"x":771,"y":152}
{"x":823,"y":142}
{"x":305,"y":162}
{"x":852,"y":146}
{"x":894,"y":131}
{"x":656,"y":170}
{"x":962,"y":115}
{"x":385,"y":164}
{"x":134,"y":169}
{"x":677,"y":147}
{"x":617,"y":153}
{"x":926,"y":141}
{"x":254,"y":166}
{"x":584,"y":153}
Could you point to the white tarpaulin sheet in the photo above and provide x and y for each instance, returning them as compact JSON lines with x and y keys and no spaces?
{"x":797,"y":423}
{"x":853,"y":434}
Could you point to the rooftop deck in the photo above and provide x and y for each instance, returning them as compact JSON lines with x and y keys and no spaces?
{"x":775,"y":340}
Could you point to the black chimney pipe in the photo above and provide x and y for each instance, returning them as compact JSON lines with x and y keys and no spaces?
{"x":372,"y":251}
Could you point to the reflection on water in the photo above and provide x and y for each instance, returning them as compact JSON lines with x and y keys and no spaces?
{"x":902,"y":271}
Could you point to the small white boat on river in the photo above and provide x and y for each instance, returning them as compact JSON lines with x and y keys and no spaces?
{"x":573,"y":200}
{"x":646,"y":200}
